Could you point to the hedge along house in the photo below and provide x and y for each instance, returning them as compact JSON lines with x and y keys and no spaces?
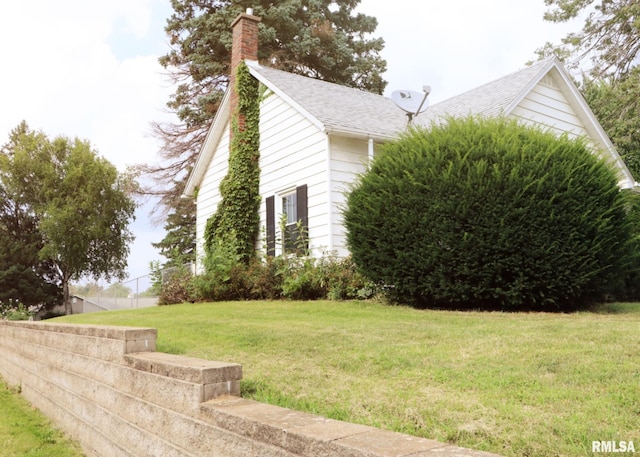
{"x":315,"y":137}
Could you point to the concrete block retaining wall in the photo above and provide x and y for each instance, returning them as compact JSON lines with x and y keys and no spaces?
{"x":109,"y":390}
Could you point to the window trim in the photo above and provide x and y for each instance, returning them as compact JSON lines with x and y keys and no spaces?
{"x":275,"y":210}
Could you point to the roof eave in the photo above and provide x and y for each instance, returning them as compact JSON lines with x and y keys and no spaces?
{"x":208,"y":147}
{"x":627,"y":181}
{"x":358,"y":134}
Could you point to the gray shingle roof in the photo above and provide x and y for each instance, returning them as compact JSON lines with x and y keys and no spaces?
{"x":345,"y":109}
{"x":490,"y":99}
{"x":337,"y":107}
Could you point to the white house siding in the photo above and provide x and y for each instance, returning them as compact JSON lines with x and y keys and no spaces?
{"x":293,"y":152}
{"x":209,"y":193}
{"x":548,"y":106}
{"x":349,"y":157}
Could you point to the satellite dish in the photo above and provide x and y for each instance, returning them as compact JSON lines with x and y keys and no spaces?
{"x":412,"y":102}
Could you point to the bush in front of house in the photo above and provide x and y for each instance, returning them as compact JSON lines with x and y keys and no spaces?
{"x":14,"y":310}
{"x":325,"y":277}
{"x":490,"y":214}
{"x":287,"y":277}
{"x":177,"y":288}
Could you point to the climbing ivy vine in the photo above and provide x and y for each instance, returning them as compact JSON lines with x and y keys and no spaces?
{"x":236,"y":221}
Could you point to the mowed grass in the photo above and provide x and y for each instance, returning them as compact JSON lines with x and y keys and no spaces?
{"x":25,"y":432}
{"x":515,"y":384}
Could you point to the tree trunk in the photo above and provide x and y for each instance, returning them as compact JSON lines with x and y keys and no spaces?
{"x":65,"y":295}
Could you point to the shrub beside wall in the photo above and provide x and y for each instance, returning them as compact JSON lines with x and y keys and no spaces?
{"x":227,"y":277}
{"x":490,"y":214}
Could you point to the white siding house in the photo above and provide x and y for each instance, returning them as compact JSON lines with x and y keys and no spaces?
{"x":315,"y":137}
{"x":292,"y":154}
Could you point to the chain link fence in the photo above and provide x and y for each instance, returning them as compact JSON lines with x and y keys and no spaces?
{"x":140,"y":292}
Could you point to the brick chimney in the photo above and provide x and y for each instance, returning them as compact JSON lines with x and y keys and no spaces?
{"x":245,"y":47}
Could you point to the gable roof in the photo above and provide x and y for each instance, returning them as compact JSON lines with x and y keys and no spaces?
{"x":335,"y":108}
{"x":332,"y":107}
{"x":494,"y":98}
{"x":345,"y":111}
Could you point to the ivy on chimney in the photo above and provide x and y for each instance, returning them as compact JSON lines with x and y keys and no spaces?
{"x":235,"y":223}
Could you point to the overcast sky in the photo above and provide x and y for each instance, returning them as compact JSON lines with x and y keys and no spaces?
{"x":89,"y":68}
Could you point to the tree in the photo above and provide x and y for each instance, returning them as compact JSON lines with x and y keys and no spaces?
{"x":616,"y":104}
{"x":179,"y":243}
{"x":323,"y":39}
{"x":610,"y":36}
{"x":23,"y":276}
{"x":90,"y":289}
{"x":81,"y":204}
{"x":491,"y":214}
{"x":117,"y":290}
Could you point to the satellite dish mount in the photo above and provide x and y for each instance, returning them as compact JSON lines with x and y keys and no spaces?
{"x":412,"y":102}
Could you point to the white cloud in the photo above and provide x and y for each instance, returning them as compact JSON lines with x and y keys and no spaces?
{"x":65,"y":78}
{"x":457,"y":45}
{"x":86,"y":69}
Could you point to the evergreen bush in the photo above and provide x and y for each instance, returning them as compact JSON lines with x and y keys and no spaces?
{"x":490,"y":214}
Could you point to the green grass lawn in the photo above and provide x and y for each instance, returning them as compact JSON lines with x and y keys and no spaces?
{"x":25,"y":432}
{"x":516,"y":384}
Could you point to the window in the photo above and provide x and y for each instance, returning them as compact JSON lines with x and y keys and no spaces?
{"x":293,"y":219}
{"x":289,"y":209}
{"x":289,"y":226}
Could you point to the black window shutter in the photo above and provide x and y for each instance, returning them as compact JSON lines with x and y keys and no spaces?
{"x":271,"y":226}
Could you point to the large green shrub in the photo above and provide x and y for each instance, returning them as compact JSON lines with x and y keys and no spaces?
{"x":487,"y":213}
